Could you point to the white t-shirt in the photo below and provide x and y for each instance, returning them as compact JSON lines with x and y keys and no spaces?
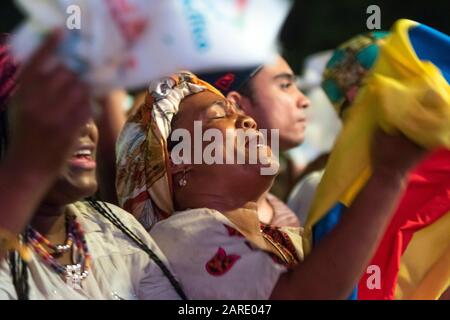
{"x":119,"y":268}
{"x":302,"y":195}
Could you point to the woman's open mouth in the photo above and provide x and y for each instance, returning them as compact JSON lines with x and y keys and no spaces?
{"x":83,"y":158}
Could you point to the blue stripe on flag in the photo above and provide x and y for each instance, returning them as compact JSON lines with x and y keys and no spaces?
{"x":433,"y":46}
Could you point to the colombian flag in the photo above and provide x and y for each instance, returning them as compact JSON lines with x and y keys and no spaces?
{"x":417,"y":240}
{"x":407,"y":91}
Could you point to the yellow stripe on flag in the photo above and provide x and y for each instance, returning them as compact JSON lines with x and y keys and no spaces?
{"x":425,"y":265}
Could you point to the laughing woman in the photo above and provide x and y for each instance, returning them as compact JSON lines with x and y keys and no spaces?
{"x":208,"y":224}
{"x":70,"y":249}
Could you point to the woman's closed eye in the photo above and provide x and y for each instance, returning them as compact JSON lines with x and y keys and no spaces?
{"x":217,"y":115}
{"x":216,"y":112}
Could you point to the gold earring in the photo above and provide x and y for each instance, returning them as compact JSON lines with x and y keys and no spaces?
{"x":183,"y":182}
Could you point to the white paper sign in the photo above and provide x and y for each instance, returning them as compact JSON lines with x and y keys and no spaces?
{"x":127,"y":43}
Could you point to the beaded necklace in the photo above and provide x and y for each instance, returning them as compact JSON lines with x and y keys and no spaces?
{"x":72,"y":274}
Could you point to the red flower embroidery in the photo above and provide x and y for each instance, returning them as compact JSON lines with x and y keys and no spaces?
{"x":221,"y":263}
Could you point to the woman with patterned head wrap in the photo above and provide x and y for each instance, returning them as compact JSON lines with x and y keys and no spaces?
{"x":204,"y":216}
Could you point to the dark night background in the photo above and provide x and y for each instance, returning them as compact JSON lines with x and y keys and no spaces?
{"x":316,"y":25}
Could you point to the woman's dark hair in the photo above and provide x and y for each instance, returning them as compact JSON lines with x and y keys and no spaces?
{"x":247,"y":89}
{"x":17,"y":265}
{"x":19,"y":273}
{"x":8,"y":82}
{"x":3,"y":133}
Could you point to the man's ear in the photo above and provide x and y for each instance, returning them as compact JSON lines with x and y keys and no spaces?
{"x":235,"y":97}
{"x":242,"y":101}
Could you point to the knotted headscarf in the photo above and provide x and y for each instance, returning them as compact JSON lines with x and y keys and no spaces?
{"x":348,"y":66}
{"x":144,"y":183}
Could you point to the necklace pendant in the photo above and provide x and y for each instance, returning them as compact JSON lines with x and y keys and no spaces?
{"x":73,"y":276}
{"x":62,"y":248}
